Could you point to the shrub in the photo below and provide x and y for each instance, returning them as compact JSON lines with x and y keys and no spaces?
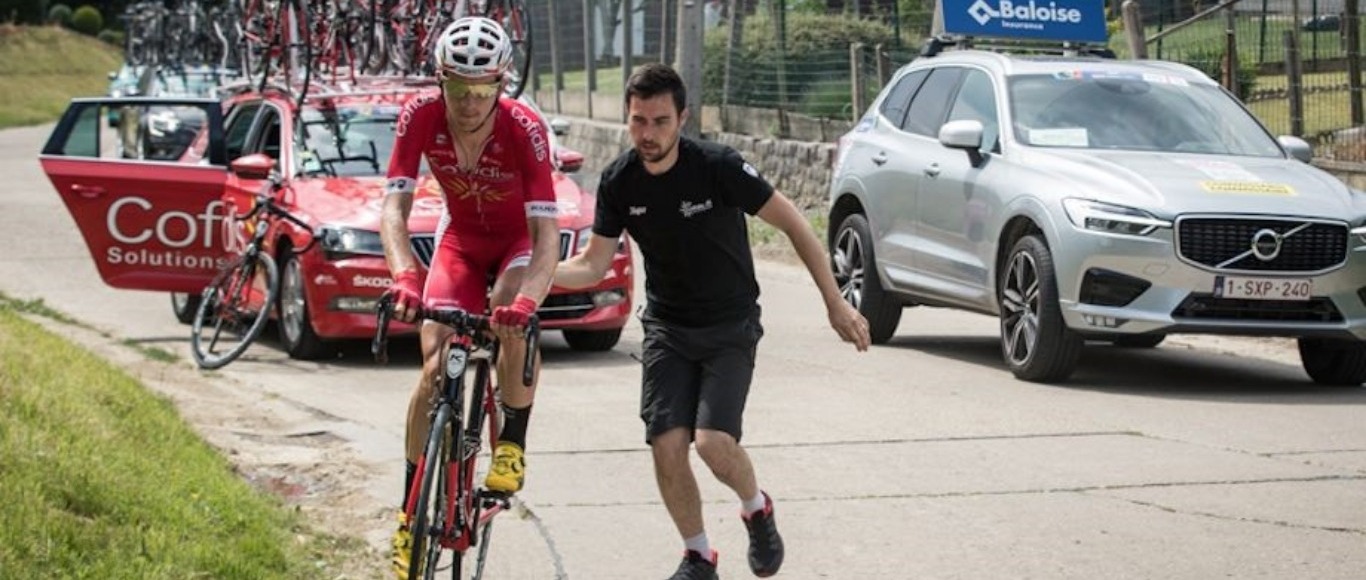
{"x":1211,"y":62}
{"x":817,"y":45}
{"x":111,"y":37}
{"x":59,"y":14}
{"x":87,"y":20}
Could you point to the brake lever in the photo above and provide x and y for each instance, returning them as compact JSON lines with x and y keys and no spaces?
{"x":533,"y":343}
{"x":379,"y":347}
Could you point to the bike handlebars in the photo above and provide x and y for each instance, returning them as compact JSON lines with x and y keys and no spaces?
{"x":465,"y":323}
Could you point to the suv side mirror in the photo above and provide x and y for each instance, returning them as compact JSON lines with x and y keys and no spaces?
{"x":570,"y":161}
{"x":255,"y":166}
{"x":559,"y":126}
{"x":1297,"y":148}
{"x":965,"y":135}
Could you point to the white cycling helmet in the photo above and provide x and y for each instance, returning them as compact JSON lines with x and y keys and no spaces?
{"x":473,"y":47}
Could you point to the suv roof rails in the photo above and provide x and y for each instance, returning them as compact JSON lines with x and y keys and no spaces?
{"x":938,"y":44}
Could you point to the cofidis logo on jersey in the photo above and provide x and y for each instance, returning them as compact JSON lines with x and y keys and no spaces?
{"x":1072,"y":20}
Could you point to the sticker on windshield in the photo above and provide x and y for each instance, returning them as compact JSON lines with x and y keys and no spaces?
{"x":1064,"y":137}
{"x":1249,"y":187}
{"x":1165,"y":79}
{"x":1220,"y":170}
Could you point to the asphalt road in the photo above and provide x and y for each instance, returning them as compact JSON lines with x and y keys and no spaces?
{"x":923,"y":458}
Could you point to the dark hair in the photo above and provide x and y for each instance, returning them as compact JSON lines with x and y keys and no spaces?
{"x":654,"y":79}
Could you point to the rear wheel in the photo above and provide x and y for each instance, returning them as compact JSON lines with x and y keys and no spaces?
{"x":184,"y":305}
{"x":592,"y":340}
{"x":1036,"y":343}
{"x":855,"y":269}
{"x":296,"y":321}
{"x":233,"y":310}
{"x":1333,"y":361}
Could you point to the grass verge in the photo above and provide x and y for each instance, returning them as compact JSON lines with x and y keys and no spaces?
{"x":102,"y":479}
{"x":43,"y":67}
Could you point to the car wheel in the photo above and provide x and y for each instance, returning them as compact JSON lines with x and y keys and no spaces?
{"x":1331,"y":361}
{"x":592,"y":340}
{"x":296,"y":327}
{"x":855,"y":269}
{"x":184,"y":305}
{"x":1035,"y":341}
{"x":1139,"y":340}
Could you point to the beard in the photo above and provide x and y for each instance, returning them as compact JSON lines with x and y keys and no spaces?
{"x":653,"y":152}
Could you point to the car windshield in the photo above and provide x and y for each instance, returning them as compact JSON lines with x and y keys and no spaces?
{"x":189,"y":84}
{"x":347,"y":141}
{"x":1125,"y":110}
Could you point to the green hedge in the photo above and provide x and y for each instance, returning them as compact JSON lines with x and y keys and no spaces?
{"x":817,"y":61}
{"x":87,"y":20}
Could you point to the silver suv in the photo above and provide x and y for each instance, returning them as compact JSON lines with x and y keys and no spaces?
{"x":1082,"y":198}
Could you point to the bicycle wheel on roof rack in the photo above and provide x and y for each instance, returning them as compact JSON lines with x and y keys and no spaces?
{"x":513,"y":15}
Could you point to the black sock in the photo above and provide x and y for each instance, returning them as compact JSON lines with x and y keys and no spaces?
{"x":408,"y":481}
{"x":514,"y":425}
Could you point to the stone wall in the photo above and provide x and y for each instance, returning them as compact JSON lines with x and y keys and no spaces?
{"x":801,"y":170}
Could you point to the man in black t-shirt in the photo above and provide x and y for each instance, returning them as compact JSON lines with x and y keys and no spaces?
{"x":684,"y":203}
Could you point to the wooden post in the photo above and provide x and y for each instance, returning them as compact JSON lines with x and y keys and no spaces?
{"x":689,"y":64}
{"x":556,"y":67}
{"x":1231,"y":52}
{"x":855,"y":80}
{"x":780,"y":21}
{"x":1352,"y":35}
{"x":1292,"y":68}
{"x":734,"y":41}
{"x":884,"y":65}
{"x":1133,"y":30}
{"x":626,"y":49}
{"x":590,"y":68}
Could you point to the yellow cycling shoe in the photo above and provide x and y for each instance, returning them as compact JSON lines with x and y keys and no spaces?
{"x":509,"y":469}
{"x":403,"y":546}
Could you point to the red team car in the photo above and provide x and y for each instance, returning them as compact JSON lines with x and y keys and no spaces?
{"x":158,"y":218}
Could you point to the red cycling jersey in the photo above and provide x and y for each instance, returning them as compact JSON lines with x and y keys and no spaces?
{"x":484,"y":229}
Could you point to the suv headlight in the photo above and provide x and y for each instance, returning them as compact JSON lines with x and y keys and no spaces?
{"x":350,"y":241}
{"x":1360,"y":233}
{"x":1109,"y":218}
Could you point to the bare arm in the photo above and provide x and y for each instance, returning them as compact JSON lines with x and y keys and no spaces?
{"x":844,"y":318}
{"x":393,"y":232}
{"x":587,"y":268}
{"x":545,"y":254}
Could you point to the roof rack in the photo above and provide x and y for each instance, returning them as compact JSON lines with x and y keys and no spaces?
{"x":938,"y":44}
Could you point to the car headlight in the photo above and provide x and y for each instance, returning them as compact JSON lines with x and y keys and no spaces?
{"x":350,"y":241}
{"x":1109,"y":218}
{"x":581,"y":239}
{"x":1360,"y":233}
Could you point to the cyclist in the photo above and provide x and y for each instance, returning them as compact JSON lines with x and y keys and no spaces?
{"x":491,"y":157}
{"x":683,"y":201}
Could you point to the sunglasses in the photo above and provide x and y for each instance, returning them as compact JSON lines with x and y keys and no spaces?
{"x":459,"y":89}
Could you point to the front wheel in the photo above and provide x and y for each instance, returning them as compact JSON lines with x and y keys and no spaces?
{"x":429,"y":513}
{"x":184,"y":305}
{"x":855,"y":268}
{"x":1331,"y":361}
{"x":296,"y":322}
{"x":1036,"y":343}
{"x":233,"y":310}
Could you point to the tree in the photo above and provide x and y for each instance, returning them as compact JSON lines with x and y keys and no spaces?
{"x":87,"y":20}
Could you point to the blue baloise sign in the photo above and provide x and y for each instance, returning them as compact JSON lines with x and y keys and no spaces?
{"x":1072,"y":20}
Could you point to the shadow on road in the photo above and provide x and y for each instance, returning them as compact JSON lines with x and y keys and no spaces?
{"x":1165,"y":372}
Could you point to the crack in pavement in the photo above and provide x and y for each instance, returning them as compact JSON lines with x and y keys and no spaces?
{"x":1228,"y":518}
{"x":860,"y":442}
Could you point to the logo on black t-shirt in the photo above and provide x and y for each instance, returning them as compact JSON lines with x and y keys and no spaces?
{"x":689,"y":209}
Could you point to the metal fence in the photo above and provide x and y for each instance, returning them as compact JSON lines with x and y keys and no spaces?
{"x":800,"y":76}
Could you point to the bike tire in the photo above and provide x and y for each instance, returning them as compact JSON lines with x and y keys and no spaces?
{"x":429,"y":511}
{"x":226,"y":304}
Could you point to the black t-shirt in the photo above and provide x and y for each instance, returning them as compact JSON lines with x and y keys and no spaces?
{"x":688,"y":223}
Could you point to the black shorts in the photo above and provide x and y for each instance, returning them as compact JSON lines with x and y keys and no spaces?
{"x":697,"y":377}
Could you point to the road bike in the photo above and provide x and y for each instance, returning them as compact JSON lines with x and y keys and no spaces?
{"x":448,"y":513}
{"x":234,"y":307}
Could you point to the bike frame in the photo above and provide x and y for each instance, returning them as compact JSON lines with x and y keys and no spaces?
{"x":463,"y":511}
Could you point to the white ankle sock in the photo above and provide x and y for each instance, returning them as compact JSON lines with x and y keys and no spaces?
{"x":753,"y":504}
{"x":698,"y":544}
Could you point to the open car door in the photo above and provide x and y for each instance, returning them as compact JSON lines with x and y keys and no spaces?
{"x":145,"y":191}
